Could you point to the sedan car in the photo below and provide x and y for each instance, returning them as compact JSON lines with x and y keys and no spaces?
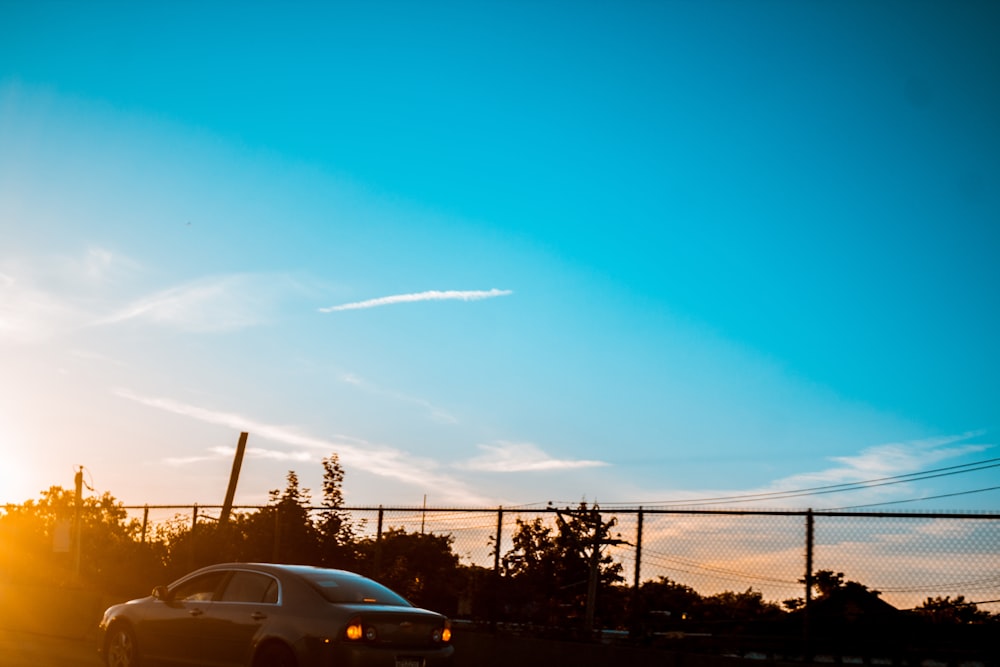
{"x":266,"y":615}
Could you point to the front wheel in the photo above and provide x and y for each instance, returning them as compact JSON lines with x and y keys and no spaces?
{"x":122,"y":650}
{"x":274,"y":655}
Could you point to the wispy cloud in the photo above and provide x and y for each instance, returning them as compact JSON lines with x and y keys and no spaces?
{"x":882,"y":461}
{"x":178,"y":461}
{"x":433,"y":295}
{"x":30,"y":315}
{"x":890,"y":459}
{"x":437,"y":414}
{"x":221,"y":453}
{"x":522,"y":457}
{"x":41,"y":297}
{"x":270,"y":454}
{"x":354,"y":452}
{"x":100,"y":265}
{"x":219,"y":303}
{"x":873,"y":463}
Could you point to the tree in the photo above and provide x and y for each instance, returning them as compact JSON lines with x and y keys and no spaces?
{"x":419,"y":566}
{"x":663,"y":604}
{"x":730,"y":606}
{"x":296,"y":538}
{"x":828,"y":583}
{"x":944,"y":610}
{"x":548,"y":573}
{"x":110,"y":554}
{"x":336,"y":532}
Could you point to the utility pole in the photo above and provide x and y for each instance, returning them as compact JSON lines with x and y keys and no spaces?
{"x":599,"y":539}
{"x":78,"y":484}
{"x":77,"y":529}
{"x":234,"y":477}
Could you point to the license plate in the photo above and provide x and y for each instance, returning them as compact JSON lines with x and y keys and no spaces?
{"x":409,"y":662}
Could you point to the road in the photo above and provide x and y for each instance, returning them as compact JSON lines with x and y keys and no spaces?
{"x":28,"y":649}
{"x":23,"y":649}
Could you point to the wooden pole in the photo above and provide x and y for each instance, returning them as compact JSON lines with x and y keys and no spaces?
{"x":234,"y":476}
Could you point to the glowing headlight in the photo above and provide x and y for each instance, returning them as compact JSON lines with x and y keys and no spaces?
{"x":441,"y":634}
{"x":355,"y":631}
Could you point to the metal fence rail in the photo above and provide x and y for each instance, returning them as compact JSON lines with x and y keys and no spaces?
{"x":908,"y":557}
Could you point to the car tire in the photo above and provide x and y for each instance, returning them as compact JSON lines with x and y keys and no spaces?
{"x":274,"y":655}
{"x":121,"y":649}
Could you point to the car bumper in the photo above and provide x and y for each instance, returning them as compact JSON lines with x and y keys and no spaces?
{"x":360,"y":655}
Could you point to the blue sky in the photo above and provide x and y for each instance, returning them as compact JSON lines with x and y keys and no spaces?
{"x":630,"y":253}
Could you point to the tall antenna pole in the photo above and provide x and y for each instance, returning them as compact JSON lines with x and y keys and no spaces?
{"x":234,"y":476}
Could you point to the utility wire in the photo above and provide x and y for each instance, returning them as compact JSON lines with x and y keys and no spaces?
{"x":915,"y":500}
{"x":837,"y":488}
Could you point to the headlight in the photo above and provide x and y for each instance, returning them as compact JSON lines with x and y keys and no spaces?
{"x":442,"y":635}
{"x":354,"y":631}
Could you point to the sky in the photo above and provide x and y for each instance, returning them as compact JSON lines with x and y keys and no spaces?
{"x":502,"y":252}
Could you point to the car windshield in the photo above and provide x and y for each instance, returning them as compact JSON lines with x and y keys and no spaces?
{"x":342,"y":587}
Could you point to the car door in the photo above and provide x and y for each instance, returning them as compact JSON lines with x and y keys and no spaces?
{"x":248,"y":601}
{"x":178,"y":627}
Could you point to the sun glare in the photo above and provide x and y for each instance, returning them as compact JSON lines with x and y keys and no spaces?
{"x":12,"y":471}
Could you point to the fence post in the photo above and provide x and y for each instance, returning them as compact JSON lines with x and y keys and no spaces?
{"x":495,"y":599}
{"x":638,"y":549}
{"x":636,"y":611}
{"x":496,"y":544}
{"x":193,"y":554}
{"x":810,"y":545}
{"x":378,"y":544}
{"x":145,"y":523}
{"x":276,"y":548}
{"x":597,"y":520}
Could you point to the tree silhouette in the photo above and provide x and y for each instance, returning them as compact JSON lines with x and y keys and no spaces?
{"x":944,"y":610}
{"x":419,"y":566}
{"x":336,"y":531}
{"x":295,"y":538}
{"x":548,"y":573}
{"x":828,"y":583}
{"x":110,"y":554}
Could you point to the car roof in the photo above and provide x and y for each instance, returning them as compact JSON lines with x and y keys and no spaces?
{"x":277,"y":568}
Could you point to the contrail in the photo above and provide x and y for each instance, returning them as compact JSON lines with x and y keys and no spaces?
{"x":432,"y":295}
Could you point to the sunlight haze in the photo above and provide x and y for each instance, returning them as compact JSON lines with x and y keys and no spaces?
{"x":501,"y":253}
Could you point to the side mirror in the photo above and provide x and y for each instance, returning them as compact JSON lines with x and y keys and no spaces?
{"x":161,"y":593}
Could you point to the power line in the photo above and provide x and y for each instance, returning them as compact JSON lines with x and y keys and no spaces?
{"x":837,"y":488}
{"x":915,"y":500}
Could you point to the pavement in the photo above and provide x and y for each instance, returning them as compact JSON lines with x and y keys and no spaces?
{"x":26,"y":649}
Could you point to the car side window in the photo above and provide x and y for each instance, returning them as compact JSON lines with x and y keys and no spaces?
{"x":198,"y":589}
{"x":251,"y":587}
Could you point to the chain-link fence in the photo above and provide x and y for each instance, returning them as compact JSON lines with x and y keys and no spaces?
{"x":908,"y":557}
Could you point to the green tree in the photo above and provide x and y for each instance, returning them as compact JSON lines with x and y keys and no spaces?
{"x":422,"y":567}
{"x":295,"y":538}
{"x":110,"y":554}
{"x":336,"y":531}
